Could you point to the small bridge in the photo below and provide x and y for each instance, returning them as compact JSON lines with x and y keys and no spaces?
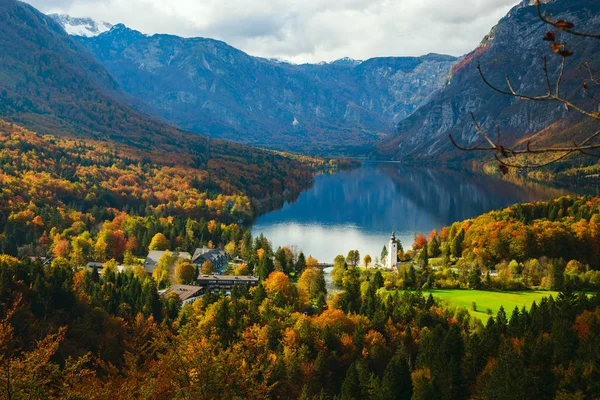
{"x":325,"y":265}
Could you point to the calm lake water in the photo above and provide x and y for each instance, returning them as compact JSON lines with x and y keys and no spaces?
{"x":359,"y":209}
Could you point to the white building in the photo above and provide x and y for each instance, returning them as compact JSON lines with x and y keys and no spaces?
{"x":392,"y":255}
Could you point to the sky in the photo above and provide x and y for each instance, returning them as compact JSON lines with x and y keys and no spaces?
{"x":306,"y":30}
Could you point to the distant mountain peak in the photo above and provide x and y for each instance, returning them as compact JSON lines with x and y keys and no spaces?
{"x":86,"y":27}
{"x":278,"y":60}
{"x":346,"y":61}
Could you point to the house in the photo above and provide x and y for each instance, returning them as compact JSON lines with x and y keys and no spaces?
{"x":155,"y":255}
{"x":94,"y":265}
{"x":43,"y":260}
{"x":99,"y":266}
{"x":187,"y":293}
{"x":217,"y":257}
{"x":225,"y":281}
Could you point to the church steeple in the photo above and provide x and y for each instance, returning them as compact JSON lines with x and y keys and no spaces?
{"x":392,"y":258}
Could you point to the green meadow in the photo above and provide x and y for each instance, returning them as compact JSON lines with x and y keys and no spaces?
{"x":485,"y":300}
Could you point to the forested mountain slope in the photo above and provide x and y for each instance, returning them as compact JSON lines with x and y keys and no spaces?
{"x":52,"y":85}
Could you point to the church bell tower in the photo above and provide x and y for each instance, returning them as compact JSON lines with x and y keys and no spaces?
{"x":392,"y":252}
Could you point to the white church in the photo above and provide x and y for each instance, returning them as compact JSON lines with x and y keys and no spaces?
{"x":392,"y":255}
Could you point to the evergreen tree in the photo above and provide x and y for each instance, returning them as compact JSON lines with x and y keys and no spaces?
{"x":384,"y":253}
{"x":371,"y":302}
{"x":151,"y":304}
{"x":508,"y":377}
{"x":260,"y":294}
{"x":281,"y":260}
{"x":501,"y":321}
{"x":300,"y":264}
{"x":351,"y":297}
{"x":396,"y":383}
{"x":474,"y":278}
{"x":351,"y":388}
{"x":430,"y":301}
{"x":456,"y":247}
{"x":222,"y":322}
{"x":423,"y":257}
{"x":246,"y":248}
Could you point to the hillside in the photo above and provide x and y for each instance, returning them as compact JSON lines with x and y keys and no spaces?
{"x":208,"y":87}
{"x":51,"y":85}
{"x":565,"y":228}
{"x":513,"y":46}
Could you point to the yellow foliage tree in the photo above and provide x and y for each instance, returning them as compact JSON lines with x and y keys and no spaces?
{"x":110,"y":267}
{"x":185,"y":272}
{"x":260,"y":253}
{"x":164,"y":270}
{"x":207,"y":267}
{"x":277,"y":282}
{"x":159,"y":242}
{"x":242,"y":269}
{"x":231,"y":249}
{"x":308,"y":284}
{"x":311,"y":262}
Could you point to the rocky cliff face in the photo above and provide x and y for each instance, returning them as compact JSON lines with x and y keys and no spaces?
{"x":208,"y":87}
{"x":514,"y":46}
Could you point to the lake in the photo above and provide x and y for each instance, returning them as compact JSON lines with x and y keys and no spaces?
{"x":359,"y":209}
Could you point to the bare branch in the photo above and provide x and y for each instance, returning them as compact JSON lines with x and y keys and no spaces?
{"x":507,"y":152}
{"x":589,"y":139}
{"x":560,"y":76}
{"x":545,"y":59}
{"x":469,"y":148}
{"x":591,"y":73}
{"x":586,"y":147}
{"x":562,"y":28}
{"x":510,"y":87}
{"x":530,"y":166}
{"x":517,"y":95}
{"x":480,"y":130}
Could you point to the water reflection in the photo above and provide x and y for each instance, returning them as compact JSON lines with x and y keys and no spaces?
{"x":359,"y":209}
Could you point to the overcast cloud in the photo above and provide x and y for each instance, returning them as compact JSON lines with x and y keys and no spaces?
{"x":306,"y":30}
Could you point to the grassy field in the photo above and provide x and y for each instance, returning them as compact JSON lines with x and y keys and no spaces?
{"x":492,"y":300}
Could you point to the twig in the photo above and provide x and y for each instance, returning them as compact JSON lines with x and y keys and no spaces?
{"x":530,"y":166}
{"x":502,"y":153}
{"x":568,"y":30}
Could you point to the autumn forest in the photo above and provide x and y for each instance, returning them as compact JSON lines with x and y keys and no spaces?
{"x":129,"y":267}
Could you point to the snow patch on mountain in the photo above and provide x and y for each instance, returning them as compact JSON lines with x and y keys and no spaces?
{"x":347,"y":61}
{"x":86,"y":27}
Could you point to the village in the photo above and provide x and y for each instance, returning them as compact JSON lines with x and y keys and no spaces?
{"x":209,"y":266}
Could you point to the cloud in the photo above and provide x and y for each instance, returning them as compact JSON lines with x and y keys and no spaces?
{"x":306,"y":30}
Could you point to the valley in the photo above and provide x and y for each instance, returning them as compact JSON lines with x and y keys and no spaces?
{"x":180,"y":219}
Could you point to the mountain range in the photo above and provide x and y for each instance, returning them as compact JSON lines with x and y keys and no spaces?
{"x":387,"y":107}
{"x":208,"y":87}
